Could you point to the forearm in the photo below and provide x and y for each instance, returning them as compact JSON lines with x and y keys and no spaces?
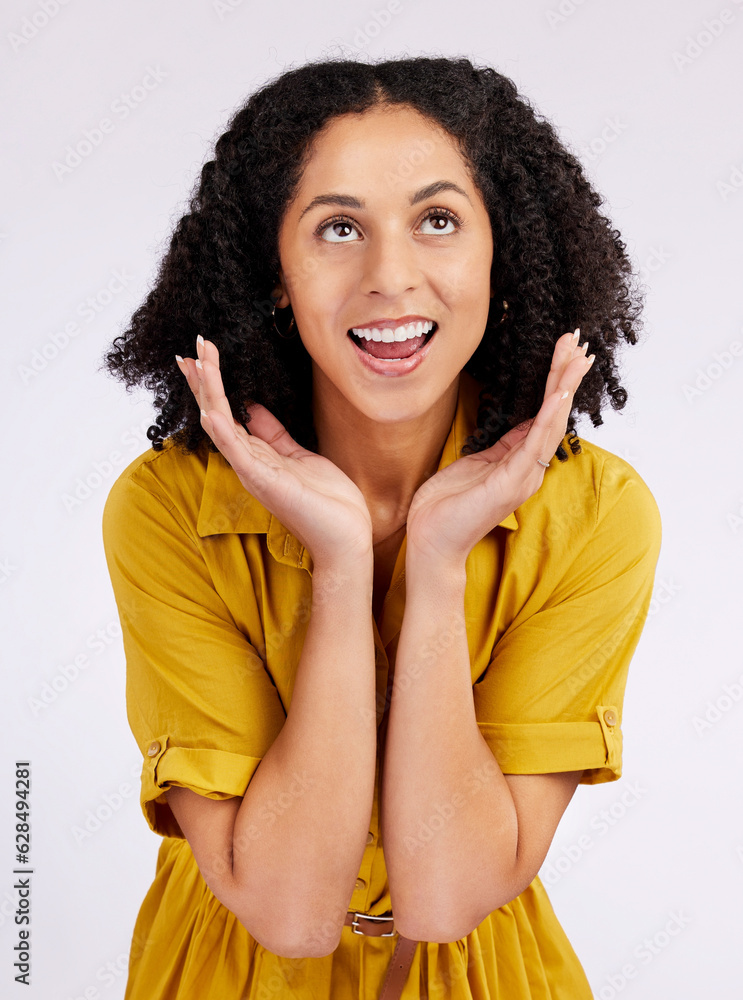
{"x":300,"y":832}
{"x":449,"y":824}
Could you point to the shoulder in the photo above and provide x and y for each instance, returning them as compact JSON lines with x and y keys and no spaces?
{"x":596,"y":481}
{"x":158,"y":481}
{"x":592,"y":498}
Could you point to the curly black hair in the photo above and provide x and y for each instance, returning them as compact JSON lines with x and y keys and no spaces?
{"x":557,"y":261}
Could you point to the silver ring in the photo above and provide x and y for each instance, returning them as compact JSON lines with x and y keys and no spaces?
{"x":545,"y":464}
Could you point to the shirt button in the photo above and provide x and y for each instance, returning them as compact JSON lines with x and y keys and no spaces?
{"x":153,"y":749}
{"x":360,"y":883}
{"x":370,"y":837}
{"x":610,"y":717}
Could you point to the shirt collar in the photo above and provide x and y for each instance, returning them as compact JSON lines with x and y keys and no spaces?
{"x":226,"y":506}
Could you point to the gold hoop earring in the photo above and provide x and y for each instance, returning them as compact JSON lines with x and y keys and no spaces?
{"x":494,"y":326}
{"x":287,"y":335}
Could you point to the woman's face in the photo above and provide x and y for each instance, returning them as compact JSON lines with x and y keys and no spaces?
{"x":386,"y":229}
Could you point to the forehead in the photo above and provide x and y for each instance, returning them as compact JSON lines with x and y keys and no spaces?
{"x":389,"y":144}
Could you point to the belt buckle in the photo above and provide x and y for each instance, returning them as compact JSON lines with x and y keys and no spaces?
{"x":369,"y":916}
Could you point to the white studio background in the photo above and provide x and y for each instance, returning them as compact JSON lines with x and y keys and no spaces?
{"x":645,"y":874}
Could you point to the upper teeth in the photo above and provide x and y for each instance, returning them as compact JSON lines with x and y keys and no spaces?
{"x":406,"y":332}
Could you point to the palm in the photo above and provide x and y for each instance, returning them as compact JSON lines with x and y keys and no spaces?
{"x":301,"y":487}
{"x":460,"y":504}
{"x":327,"y":512}
{"x":309,"y":495}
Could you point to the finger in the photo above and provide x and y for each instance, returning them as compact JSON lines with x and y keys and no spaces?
{"x":566,"y":349}
{"x":191,"y":368}
{"x":255,"y":464}
{"x":211,"y":389}
{"x":188,"y":368}
{"x":206,"y":384}
{"x":550,"y":424}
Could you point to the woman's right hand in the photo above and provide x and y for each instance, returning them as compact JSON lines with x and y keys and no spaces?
{"x":309,"y":495}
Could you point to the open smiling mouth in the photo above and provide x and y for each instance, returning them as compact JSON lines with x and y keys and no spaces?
{"x":394,"y":350}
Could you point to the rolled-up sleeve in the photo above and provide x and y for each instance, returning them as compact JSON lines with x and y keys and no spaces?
{"x":551,"y":698}
{"x":200,"y":703}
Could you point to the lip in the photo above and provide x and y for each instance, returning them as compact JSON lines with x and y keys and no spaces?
{"x":392,"y":368}
{"x":391,"y":324}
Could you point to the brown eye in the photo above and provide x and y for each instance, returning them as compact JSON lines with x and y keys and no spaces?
{"x":333,"y":226}
{"x":440,"y":218}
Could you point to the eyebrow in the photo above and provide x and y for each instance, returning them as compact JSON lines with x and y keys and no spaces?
{"x":349,"y":201}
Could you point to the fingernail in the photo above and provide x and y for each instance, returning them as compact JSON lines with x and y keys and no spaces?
{"x":576,"y":335}
{"x":199,"y":364}
{"x":200,"y":340}
{"x":585,"y":347}
{"x":565,"y":394}
{"x":203,"y":413}
{"x":591,"y":359}
{"x":179,"y":359}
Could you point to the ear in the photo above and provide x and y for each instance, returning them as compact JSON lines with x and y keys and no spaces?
{"x":280,"y":290}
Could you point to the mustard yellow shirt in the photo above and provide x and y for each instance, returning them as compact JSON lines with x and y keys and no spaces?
{"x":214,"y":596}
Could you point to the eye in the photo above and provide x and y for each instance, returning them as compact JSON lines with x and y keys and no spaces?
{"x":337,"y":223}
{"x":332,"y":226}
{"x":444,"y":214}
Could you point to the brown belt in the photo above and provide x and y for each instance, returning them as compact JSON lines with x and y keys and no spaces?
{"x":402,"y":957}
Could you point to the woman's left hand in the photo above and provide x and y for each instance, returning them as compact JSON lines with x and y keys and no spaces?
{"x":460,"y":504}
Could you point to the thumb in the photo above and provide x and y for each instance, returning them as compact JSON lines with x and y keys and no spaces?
{"x":516,"y":434}
{"x":498,"y":451}
{"x":268,"y":428}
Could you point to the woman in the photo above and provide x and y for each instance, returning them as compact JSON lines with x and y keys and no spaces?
{"x":378,"y":600}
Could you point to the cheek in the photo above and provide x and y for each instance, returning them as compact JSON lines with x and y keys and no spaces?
{"x":304,"y":276}
{"x":463,"y":280}
{"x":312,"y":301}
{"x":323,"y":291}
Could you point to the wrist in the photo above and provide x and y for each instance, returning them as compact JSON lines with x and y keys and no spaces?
{"x":430,"y":567}
{"x":336,"y":573}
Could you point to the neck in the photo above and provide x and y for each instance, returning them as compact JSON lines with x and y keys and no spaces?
{"x":387,"y":459}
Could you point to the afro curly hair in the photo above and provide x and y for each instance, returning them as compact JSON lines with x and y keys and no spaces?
{"x":557,"y":261}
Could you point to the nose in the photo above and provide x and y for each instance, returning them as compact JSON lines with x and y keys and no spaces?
{"x":390,"y":265}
